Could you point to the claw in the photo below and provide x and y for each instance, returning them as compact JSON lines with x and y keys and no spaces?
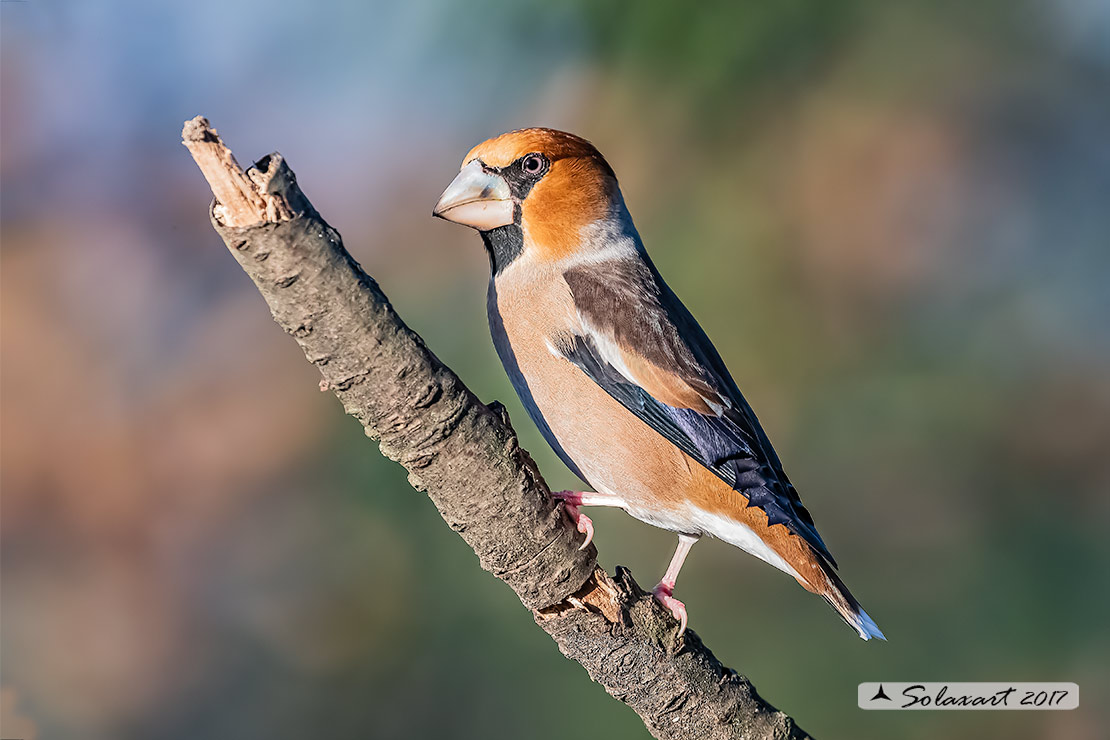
{"x":571,"y":501}
{"x":585,"y":525}
{"x":662,"y":593}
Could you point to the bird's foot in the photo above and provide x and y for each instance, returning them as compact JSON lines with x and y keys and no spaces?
{"x":662,"y":593}
{"x":571,"y":501}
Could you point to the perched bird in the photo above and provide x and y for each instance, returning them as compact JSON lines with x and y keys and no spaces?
{"x":615,"y":371}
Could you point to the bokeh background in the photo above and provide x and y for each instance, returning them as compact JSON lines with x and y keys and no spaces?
{"x":892,"y":218}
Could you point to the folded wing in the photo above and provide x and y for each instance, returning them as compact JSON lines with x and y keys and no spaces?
{"x":641,"y":345}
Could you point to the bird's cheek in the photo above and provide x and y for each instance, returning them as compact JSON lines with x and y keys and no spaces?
{"x":548,"y":242}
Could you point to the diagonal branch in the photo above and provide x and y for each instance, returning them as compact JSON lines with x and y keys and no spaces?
{"x":452,"y":444}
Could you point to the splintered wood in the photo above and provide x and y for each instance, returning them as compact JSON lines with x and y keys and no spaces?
{"x":239,"y":201}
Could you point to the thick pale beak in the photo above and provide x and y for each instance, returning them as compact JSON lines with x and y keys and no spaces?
{"x":476,"y":198}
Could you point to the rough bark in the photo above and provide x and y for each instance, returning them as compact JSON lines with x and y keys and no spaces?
{"x":453,"y":445}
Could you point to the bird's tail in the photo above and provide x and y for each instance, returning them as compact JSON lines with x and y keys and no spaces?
{"x":841,"y":599}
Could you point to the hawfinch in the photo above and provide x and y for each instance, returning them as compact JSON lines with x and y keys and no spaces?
{"x":616,"y":373}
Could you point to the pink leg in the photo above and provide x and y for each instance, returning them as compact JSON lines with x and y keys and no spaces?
{"x":573,"y":499}
{"x":666,"y":586}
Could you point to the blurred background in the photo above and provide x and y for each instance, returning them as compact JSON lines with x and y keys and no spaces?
{"x":892,"y":218}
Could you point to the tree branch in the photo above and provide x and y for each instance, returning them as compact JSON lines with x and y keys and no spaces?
{"x":453,"y":445}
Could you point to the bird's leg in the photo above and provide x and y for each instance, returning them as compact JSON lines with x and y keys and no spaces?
{"x":665,"y":589}
{"x":573,"y":499}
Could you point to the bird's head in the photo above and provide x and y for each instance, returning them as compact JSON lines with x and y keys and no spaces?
{"x":533,"y":191}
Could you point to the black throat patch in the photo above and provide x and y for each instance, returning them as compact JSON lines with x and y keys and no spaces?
{"x":504,"y":244}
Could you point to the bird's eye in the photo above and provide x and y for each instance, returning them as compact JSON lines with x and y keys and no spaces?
{"x":533,"y":164}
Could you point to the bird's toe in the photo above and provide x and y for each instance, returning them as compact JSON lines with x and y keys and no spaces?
{"x":662,"y":593}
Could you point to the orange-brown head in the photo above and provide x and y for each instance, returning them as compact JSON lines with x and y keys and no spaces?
{"x":531,"y":190}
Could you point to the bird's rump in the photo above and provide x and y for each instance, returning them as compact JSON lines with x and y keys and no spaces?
{"x":644,"y":348}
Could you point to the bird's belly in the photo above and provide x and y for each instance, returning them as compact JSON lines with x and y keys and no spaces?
{"x":613,"y":450}
{"x":618,"y":454}
{"x":599,"y":439}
